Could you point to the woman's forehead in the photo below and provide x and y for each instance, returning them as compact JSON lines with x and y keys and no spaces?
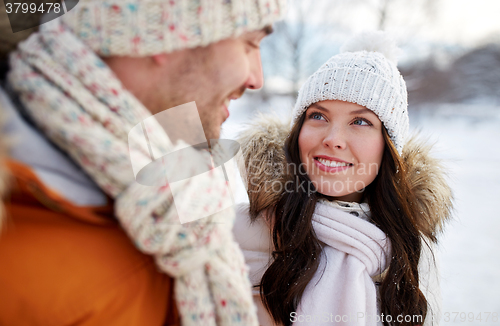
{"x":337,"y":106}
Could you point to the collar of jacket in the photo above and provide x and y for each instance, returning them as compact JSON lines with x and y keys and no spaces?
{"x":361,"y":210}
{"x":54,"y":168}
{"x":263,"y":159}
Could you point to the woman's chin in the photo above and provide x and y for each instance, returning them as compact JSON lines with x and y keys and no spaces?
{"x":342,"y":196}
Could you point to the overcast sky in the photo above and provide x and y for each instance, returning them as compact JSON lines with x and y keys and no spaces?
{"x":468,"y":21}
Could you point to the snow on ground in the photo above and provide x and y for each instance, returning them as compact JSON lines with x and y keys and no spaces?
{"x":467,"y":138}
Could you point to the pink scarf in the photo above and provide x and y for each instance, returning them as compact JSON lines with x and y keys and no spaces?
{"x":342,"y":289}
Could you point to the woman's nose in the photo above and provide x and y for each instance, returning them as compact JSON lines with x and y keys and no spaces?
{"x":335,"y":138}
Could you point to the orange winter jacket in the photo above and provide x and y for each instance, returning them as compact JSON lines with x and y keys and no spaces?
{"x":62,"y":264}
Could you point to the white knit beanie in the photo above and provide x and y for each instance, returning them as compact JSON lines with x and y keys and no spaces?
{"x":148,"y":27}
{"x":364,"y":73}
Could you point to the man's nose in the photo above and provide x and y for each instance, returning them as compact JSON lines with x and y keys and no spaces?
{"x":256,"y":78}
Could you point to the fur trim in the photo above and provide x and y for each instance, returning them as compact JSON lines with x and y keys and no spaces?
{"x":428,"y":181}
{"x":263,"y":162}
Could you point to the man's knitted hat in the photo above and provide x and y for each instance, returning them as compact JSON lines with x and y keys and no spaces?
{"x":364,"y":73}
{"x":147,"y":27}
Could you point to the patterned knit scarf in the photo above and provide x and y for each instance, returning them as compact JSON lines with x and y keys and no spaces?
{"x":79,"y":104}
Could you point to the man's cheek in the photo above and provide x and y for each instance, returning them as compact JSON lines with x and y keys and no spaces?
{"x":237,"y":70}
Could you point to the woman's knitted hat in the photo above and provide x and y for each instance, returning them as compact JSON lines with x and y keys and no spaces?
{"x":147,"y":27}
{"x":364,"y":73}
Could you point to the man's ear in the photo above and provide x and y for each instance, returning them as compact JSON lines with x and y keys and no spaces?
{"x":160,"y":59}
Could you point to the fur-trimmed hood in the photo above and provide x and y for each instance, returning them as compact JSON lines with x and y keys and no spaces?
{"x":263,"y":162}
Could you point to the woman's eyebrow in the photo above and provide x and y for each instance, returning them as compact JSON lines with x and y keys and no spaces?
{"x":319,"y":107}
{"x":360,"y":111}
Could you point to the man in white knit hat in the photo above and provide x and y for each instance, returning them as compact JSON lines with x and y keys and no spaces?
{"x":84,"y":243}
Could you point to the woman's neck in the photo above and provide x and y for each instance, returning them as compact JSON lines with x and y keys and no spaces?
{"x":355,"y":197}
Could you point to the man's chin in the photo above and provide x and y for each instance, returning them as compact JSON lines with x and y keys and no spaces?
{"x":215,"y":134}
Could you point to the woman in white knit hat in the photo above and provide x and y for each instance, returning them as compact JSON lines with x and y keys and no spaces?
{"x":344,"y":209}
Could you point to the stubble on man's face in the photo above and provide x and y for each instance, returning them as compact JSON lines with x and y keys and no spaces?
{"x":205,"y":78}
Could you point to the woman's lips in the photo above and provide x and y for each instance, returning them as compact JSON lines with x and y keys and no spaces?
{"x":331,"y":169}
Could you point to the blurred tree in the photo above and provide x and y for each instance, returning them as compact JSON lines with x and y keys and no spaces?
{"x":313,"y":31}
{"x":472,"y":76}
{"x":300,"y":43}
{"x":414,"y":12}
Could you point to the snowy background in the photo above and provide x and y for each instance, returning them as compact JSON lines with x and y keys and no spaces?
{"x":467,"y":138}
{"x":451,"y":62}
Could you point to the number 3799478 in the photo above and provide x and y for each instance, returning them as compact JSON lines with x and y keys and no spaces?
{"x":24,"y":7}
{"x":470,"y":317}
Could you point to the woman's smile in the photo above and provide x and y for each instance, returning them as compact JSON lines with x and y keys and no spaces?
{"x":331,"y":164}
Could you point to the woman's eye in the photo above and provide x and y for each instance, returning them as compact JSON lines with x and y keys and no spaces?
{"x":361,"y":122}
{"x":316,"y":116}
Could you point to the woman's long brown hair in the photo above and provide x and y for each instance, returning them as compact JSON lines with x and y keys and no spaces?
{"x":297,"y":248}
